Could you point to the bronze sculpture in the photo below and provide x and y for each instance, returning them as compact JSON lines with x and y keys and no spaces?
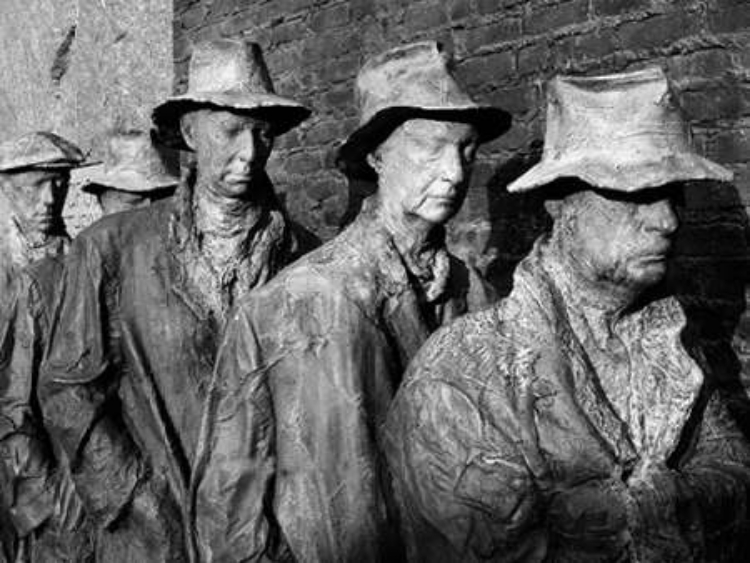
{"x":44,"y":510}
{"x":34,"y":175}
{"x":134,"y":173}
{"x":310,"y":361}
{"x":144,"y":298}
{"x":569,"y":422}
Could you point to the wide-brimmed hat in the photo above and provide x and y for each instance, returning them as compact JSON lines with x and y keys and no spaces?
{"x":131,"y":164}
{"x":40,"y":149}
{"x":622,"y":132}
{"x":409,"y":82}
{"x":227,"y":74}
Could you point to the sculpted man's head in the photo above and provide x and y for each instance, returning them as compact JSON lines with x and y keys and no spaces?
{"x":418,"y":134}
{"x":424,"y":168}
{"x":617,"y":239}
{"x":616,"y":158}
{"x":231,"y":149}
{"x":229,"y":117}
{"x":134,"y":173}
{"x":34,"y":177}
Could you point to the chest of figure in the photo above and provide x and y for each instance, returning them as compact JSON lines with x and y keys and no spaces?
{"x":167,"y":342}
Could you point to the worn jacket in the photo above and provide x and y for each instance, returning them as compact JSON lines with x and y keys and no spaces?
{"x":306,"y":371}
{"x":16,"y":253}
{"x":132,"y":352}
{"x":46,"y":511}
{"x":506,"y":441}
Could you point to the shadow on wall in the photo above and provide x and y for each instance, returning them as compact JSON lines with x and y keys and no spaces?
{"x":710,"y":275}
{"x":516,"y":220}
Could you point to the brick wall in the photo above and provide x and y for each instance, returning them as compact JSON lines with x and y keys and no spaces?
{"x":505,"y":50}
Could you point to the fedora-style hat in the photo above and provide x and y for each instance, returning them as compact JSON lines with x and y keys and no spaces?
{"x":227,"y":74}
{"x":40,"y":149}
{"x":622,"y":132}
{"x":131,"y":164}
{"x":409,"y":82}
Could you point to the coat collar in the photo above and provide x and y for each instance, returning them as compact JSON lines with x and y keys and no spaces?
{"x":408,"y":316}
{"x":657,"y":324}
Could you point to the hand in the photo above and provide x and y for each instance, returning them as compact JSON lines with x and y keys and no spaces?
{"x":592,"y":517}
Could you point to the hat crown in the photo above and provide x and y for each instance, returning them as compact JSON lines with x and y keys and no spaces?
{"x":39,"y":149}
{"x":416,"y":75}
{"x":623,"y":132}
{"x":134,"y":151}
{"x":634,"y":115}
{"x":225,"y":65}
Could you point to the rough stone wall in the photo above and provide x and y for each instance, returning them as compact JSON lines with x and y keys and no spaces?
{"x":78,"y":67}
{"x":506,"y":49}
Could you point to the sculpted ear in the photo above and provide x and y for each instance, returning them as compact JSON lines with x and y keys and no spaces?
{"x":553,"y":207}
{"x":373,"y":159}
{"x":187,"y":128}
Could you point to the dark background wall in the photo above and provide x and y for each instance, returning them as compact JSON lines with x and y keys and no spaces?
{"x":505,"y":50}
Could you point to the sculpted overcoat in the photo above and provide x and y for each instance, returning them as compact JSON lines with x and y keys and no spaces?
{"x":515,"y":434}
{"x":307,"y":369}
{"x":132,"y":352}
{"x":38,"y":489}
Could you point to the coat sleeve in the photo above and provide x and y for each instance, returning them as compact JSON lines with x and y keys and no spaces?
{"x":79,"y":397}
{"x":235,"y":459}
{"x":26,"y":459}
{"x":465,"y":489}
{"x":705,"y":499}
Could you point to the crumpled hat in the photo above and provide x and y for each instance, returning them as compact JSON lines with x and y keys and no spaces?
{"x":622,"y":132}
{"x":227,"y":74}
{"x":131,"y":164}
{"x":409,"y":82}
{"x":40,"y":149}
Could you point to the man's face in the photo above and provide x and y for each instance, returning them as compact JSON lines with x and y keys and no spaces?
{"x":622,"y":239}
{"x":37,"y":197}
{"x":231,"y":149}
{"x":424,"y":168}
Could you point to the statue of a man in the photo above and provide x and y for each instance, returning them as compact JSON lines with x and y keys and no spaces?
{"x":568,"y":422}
{"x":36,"y":498}
{"x":310,"y":362}
{"x":134,"y":173}
{"x":34,"y":175}
{"x":144,"y":298}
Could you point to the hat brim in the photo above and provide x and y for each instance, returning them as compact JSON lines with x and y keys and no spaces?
{"x":490,"y":122}
{"x":625,"y":177}
{"x":283,"y":113}
{"x":127,"y":183}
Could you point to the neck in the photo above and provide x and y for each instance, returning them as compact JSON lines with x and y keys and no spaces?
{"x":222,"y":216}
{"x":412,"y":235}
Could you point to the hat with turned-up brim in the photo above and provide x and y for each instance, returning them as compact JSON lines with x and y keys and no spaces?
{"x":40,"y":149}
{"x":621,"y":132}
{"x":131,"y":164}
{"x":412,"y":81}
{"x":227,"y":74}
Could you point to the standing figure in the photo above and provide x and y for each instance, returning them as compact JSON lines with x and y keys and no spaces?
{"x":38,"y":496}
{"x":570,"y":422}
{"x":134,"y":174}
{"x":311,"y":361}
{"x":34,"y":176}
{"x":144,"y":299}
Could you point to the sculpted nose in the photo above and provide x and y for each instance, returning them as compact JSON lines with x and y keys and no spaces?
{"x":661,"y":217}
{"x":46,"y":196}
{"x":246,"y":149}
{"x":453,"y":166}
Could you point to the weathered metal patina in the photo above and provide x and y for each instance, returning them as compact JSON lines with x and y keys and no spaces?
{"x":570,"y":422}
{"x":290,"y":464}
